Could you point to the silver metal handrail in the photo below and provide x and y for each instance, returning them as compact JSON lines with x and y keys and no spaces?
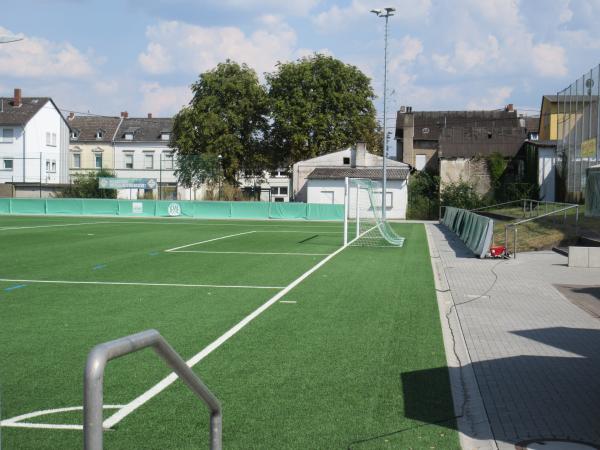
{"x":514,"y":225}
{"x":94,"y":380}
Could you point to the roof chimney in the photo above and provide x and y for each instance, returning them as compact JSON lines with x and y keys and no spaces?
{"x":149,"y":115}
{"x":71,"y":115}
{"x":360,"y":154}
{"x":17,"y":101}
{"x":124,"y":114}
{"x":509,"y":107}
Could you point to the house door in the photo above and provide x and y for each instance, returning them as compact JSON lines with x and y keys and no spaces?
{"x":327,"y":197}
{"x":547,"y":174}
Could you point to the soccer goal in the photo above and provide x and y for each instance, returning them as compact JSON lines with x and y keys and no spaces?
{"x":364,"y":223}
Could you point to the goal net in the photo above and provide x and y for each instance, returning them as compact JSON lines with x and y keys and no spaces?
{"x":364,"y":223}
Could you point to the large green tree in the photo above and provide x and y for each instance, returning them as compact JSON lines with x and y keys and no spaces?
{"x":319,"y":105}
{"x":228,"y":116}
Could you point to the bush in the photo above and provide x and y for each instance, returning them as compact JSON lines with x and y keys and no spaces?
{"x":85,"y":185}
{"x":461,"y":195}
{"x":423,"y":196}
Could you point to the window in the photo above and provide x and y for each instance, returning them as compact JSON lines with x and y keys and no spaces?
{"x":48,"y":138}
{"x":8,"y":135}
{"x":47,"y":165}
{"x":129,"y":161}
{"x":168,"y":161}
{"x":129,"y":136}
{"x":50,"y":166}
{"x":74,"y":134}
{"x":281,"y":190}
{"x":54,"y":139}
{"x":53,"y":165}
{"x":420,"y":161}
{"x":165,"y":136}
{"x":7,"y":164}
{"x":98,"y":160}
{"x":149,"y":161}
{"x":77,"y":160}
{"x":346,"y":161}
{"x":99,"y":134}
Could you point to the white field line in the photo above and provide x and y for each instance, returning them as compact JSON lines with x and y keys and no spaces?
{"x":287,"y":301}
{"x":17,"y":421}
{"x":49,"y":226}
{"x":210,"y":240}
{"x":172,"y":377}
{"x":249,"y":253}
{"x":127,"y":283}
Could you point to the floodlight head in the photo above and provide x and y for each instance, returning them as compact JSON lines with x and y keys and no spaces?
{"x":376,"y":11}
{"x":390,"y":10}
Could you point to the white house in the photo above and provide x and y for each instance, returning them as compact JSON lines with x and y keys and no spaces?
{"x":34,"y":145}
{"x":322,"y":179}
{"x":141,"y":147}
{"x":274,"y":185}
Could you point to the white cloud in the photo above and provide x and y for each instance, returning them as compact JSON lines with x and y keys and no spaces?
{"x":180,"y":47}
{"x":164,"y":100}
{"x":494,"y":97}
{"x":550,"y":60}
{"x":35,"y":57}
{"x":106,"y":87}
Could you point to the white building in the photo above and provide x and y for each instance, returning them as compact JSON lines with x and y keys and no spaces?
{"x":322,"y":179}
{"x":141,"y":147}
{"x":274,"y":186}
{"x":34,"y":145}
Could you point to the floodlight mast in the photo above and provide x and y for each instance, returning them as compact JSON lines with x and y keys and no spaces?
{"x":387,"y":14}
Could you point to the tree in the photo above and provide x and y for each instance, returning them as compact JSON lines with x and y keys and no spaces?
{"x":85,"y":185}
{"x":227,"y":116}
{"x":319,"y":105}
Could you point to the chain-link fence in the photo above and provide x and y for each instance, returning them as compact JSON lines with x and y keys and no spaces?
{"x":578,"y":128}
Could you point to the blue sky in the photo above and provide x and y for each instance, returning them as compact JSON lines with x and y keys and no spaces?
{"x":142,"y":55}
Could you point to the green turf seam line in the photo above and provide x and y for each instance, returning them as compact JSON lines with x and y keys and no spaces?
{"x":127,"y":283}
{"x":172,"y":377}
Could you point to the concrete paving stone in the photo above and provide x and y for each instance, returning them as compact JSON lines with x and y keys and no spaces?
{"x":535,"y":354}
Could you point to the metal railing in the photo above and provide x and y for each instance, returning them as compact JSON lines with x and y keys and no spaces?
{"x":94,"y":380}
{"x":530,"y":207}
{"x":563,"y":208}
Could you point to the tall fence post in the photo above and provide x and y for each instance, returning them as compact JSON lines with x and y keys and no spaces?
{"x":515,"y":243}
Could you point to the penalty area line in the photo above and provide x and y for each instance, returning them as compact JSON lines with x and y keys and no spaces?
{"x":127,"y":283}
{"x":172,"y":377}
{"x":209,"y":240}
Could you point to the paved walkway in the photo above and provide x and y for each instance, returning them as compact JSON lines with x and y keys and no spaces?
{"x":533,"y":356}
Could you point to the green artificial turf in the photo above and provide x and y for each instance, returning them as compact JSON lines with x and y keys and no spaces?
{"x":356,"y":363}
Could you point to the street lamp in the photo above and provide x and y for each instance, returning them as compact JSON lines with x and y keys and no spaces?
{"x":385,"y":13}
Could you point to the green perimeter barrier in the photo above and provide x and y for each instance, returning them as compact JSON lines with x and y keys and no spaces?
{"x":474,"y":230}
{"x":165,"y":208}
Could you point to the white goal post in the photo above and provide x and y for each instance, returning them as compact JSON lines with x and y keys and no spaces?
{"x":364,"y":222}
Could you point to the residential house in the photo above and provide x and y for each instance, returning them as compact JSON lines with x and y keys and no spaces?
{"x":91,"y":146}
{"x":141,"y":147}
{"x":322,"y":179}
{"x":270,"y":186}
{"x":34,"y":146}
{"x":456,"y":144}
